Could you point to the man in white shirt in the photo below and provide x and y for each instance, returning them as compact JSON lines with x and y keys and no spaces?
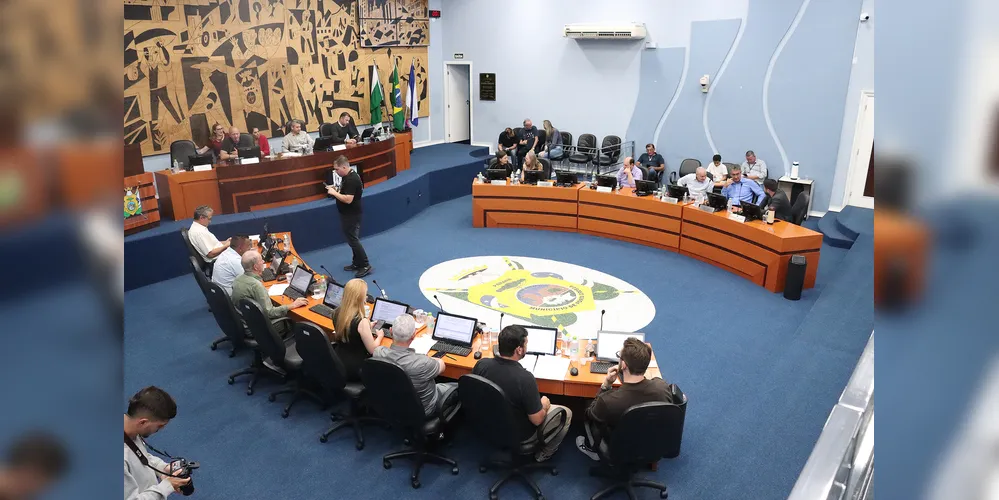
{"x":697,"y":183}
{"x":149,"y":410}
{"x":718,"y":170}
{"x":297,"y":139}
{"x":203,"y":240}
{"x":229,"y":264}
{"x":754,"y":168}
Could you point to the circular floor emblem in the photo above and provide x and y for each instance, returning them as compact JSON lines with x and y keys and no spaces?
{"x":536,"y":291}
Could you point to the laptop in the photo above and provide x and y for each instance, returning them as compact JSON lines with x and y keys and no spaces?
{"x":384,"y":313}
{"x":752,"y":211}
{"x":541,"y":340}
{"x":271,"y":273}
{"x":299,"y":285}
{"x":196,"y":160}
{"x":454,"y":334}
{"x":608,"y":345}
{"x":251,"y":152}
{"x":331,"y":301}
{"x":323,"y":144}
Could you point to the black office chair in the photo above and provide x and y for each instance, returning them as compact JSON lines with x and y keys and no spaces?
{"x":280,"y":357}
{"x":205,"y":266}
{"x":182,"y":151}
{"x":489,"y":410}
{"x":326,"y":130}
{"x":585,"y":150}
{"x":800,"y":209}
{"x":644,"y":170}
{"x":546,"y":165}
{"x":645,"y":433}
{"x":323,"y":366}
{"x":689,"y":166}
{"x":610,"y":151}
{"x":245,"y":141}
{"x":731,"y":166}
{"x":542,"y":140}
{"x":391,"y":393}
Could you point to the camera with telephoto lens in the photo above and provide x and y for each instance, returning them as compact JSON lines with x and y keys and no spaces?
{"x":186,"y":468}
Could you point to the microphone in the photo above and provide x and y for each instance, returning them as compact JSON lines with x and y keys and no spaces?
{"x":501,"y":322}
{"x":602,"y":311}
{"x":384,"y":295}
{"x":328,"y":274}
{"x":439,"y":302}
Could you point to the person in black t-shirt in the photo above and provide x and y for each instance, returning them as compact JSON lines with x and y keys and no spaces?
{"x":231,"y":145}
{"x":654,"y":163}
{"x":348,"y":203}
{"x":507,"y":142}
{"x":527,"y":140}
{"x":530,"y":409}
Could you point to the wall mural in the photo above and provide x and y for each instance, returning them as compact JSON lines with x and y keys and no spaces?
{"x":189,"y":64}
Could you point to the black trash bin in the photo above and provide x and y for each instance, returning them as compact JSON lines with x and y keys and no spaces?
{"x":795,"y":279}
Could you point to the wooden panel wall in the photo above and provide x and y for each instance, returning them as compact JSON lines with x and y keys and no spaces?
{"x":189,"y":64}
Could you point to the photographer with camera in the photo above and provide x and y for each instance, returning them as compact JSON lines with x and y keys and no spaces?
{"x":148,"y":477}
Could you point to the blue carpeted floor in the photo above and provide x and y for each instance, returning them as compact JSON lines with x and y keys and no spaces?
{"x":761,"y":372}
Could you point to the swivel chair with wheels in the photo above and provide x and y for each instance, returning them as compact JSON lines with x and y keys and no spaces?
{"x":800,"y":209}
{"x":205,"y":266}
{"x":231,"y":325}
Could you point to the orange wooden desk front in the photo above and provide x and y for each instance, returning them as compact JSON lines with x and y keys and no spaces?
{"x":585,"y":384}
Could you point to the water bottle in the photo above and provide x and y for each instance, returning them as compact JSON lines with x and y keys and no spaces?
{"x":176,"y":166}
{"x":574,"y":349}
{"x":686,"y":198}
{"x":728,"y":205}
{"x":287,"y":242}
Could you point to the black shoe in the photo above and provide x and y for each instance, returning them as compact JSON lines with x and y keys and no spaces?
{"x":350,"y":268}
{"x":363,"y":271}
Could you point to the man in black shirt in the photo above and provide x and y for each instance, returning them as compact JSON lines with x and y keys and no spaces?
{"x":777,"y":201}
{"x":531,"y":410}
{"x":348,"y":203}
{"x":231,"y":144}
{"x":344,"y":132}
{"x":605,"y":411}
{"x":527,"y":140}
{"x":654,"y":163}
{"x":507,"y":143}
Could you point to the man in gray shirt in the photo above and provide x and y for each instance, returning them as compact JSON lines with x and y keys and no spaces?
{"x":422,"y":369}
{"x":250,"y":285}
{"x":149,"y":410}
{"x":297,"y":140}
{"x":754,"y":168}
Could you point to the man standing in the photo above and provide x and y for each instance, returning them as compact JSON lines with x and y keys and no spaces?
{"x":348,"y":203}
{"x":530,"y":409}
{"x":697,"y":183}
{"x":149,"y":410}
{"x":777,"y":201}
{"x":753,"y":168}
{"x":297,"y":139}
{"x":610,"y":404}
{"x":201,"y":238}
{"x":250,"y":285}
{"x":628,"y":173}
{"x":344,"y":132}
{"x":653,"y":162}
{"x":422,"y":369}
{"x":718,"y":171}
{"x":741,"y":190}
{"x":527,"y":140}
{"x":228,"y":266}
{"x":231,"y":145}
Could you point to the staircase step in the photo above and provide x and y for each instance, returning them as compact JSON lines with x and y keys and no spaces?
{"x":831,"y":233}
{"x":854,"y":221}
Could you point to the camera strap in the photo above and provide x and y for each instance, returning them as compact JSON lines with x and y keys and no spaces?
{"x":138,"y":453}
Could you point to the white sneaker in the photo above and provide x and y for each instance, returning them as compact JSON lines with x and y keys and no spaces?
{"x":581,"y":446}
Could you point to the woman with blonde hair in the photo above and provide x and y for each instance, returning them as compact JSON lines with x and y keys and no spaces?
{"x":531,"y":162}
{"x":352,"y":337}
{"x":553,"y":141}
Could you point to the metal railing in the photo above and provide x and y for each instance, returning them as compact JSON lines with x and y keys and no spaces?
{"x":841,"y":466}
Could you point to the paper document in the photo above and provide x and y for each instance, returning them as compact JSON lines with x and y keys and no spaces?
{"x":277,"y":289}
{"x":249,"y":161}
{"x":528,"y":362}
{"x":423,"y":344}
{"x":291,"y":154}
{"x":202,"y":168}
{"x":551,"y":367}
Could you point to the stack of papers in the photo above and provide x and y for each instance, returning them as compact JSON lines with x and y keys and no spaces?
{"x":423,"y":344}
{"x":551,"y":367}
{"x":277,"y":289}
{"x":529,"y":361}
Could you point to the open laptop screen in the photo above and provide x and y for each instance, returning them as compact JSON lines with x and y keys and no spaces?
{"x":387,"y":311}
{"x":334,"y":294}
{"x":455,"y":329}
{"x":301,"y":279}
{"x":609,"y":343}
{"x":541,"y":340}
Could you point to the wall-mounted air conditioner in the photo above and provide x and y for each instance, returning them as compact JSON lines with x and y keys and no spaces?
{"x":588,"y":31}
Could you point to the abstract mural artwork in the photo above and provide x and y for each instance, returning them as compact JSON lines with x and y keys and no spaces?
{"x":189,"y":64}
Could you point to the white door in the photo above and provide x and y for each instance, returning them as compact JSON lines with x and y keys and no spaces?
{"x":860,"y":163}
{"x":458,"y":124}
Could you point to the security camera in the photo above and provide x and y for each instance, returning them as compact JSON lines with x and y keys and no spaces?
{"x":865,"y":17}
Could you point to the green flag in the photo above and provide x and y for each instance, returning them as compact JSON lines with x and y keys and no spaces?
{"x":376,"y":96}
{"x":398,"y":112}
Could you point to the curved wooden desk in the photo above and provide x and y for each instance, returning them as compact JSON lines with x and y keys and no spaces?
{"x":756,"y":251}
{"x":273,"y":182}
{"x":585,"y":384}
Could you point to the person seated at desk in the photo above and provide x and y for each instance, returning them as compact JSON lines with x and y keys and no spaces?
{"x":531,"y":163}
{"x":229,"y":265}
{"x":260,"y":141}
{"x":231,"y":144}
{"x":503,"y":160}
{"x":777,"y":201}
{"x":718,"y":171}
{"x":344,"y":132}
{"x":697,"y":183}
{"x":629,"y":173}
{"x":297,"y":139}
{"x":739,"y":189}
{"x":653,"y":162}
{"x":352,"y":337}
{"x":214,"y":145}
{"x":754,"y":168}
{"x":606,"y":410}
{"x":422,"y":369}
{"x":507,"y":143}
{"x":250,"y":285}
{"x":202,"y":239}
{"x":521,"y":390}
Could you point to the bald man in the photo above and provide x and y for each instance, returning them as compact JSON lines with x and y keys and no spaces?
{"x":231,"y":144}
{"x":629,"y":173}
{"x":250,"y":285}
{"x":697,"y":183}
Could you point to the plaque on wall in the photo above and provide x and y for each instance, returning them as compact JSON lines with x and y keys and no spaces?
{"x":487,"y":86}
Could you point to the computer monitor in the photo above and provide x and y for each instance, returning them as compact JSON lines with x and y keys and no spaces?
{"x":607,"y":181}
{"x":563,"y":178}
{"x":251,"y":152}
{"x":541,"y":340}
{"x":276,"y":262}
{"x":644,"y":187}
{"x":496,"y":174}
{"x":205,"y":159}
{"x":367,"y":133}
{"x":387,"y":311}
{"x":717,"y":201}
{"x":334,"y":294}
{"x":301,"y":279}
{"x":610,"y":343}
{"x":677,"y":191}
{"x":454,"y":329}
{"x":322,"y":144}
{"x":533,"y":176}
{"x":752,"y":211}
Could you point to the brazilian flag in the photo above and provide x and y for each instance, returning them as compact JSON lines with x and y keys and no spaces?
{"x":398,"y":111}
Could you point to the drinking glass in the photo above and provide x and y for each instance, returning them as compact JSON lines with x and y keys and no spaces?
{"x":318,"y":290}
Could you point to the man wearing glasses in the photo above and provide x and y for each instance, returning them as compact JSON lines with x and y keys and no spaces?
{"x":606,"y":409}
{"x":202,"y":239}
